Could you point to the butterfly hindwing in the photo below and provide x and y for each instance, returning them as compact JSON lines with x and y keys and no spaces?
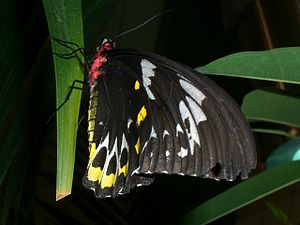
{"x":163,"y":117}
{"x":114,"y":141}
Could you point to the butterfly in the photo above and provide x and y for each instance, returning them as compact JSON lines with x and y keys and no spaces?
{"x":151,"y":115}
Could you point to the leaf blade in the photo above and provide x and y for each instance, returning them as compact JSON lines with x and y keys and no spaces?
{"x":273,"y":107}
{"x":244,"y":193}
{"x":280,"y":64}
{"x":65,"y":23}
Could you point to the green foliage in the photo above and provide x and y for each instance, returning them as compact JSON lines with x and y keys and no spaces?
{"x":259,"y":105}
{"x":275,"y":107}
{"x":65,"y":23}
{"x":279,"y":64}
{"x":27,"y":90}
{"x":244,"y":193}
{"x":278,"y":213}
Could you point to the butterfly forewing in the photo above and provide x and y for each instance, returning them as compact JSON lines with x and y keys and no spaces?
{"x":154,"y":115}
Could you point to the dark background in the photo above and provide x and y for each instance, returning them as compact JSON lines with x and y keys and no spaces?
{"x":194,"y":33}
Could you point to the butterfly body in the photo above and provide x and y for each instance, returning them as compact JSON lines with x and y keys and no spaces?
{"x":149,"y":114}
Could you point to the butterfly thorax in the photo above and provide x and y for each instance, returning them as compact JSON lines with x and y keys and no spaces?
{"x":99,"y":60}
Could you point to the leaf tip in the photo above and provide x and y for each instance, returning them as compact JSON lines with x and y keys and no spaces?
{"x":60,"y":196}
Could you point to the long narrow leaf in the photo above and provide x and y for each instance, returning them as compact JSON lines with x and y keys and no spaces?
{"x":280,"y":64}
{"x":244,"y":193}
{"x":272,"y":107}
{"x":65,"y":23}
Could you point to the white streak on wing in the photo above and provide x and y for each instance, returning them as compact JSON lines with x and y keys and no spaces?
{"x":196,"y":110}
{"x":136,"y":171}
{"x":104,"y":143}
{"x":178,"y":129}
{"x":193,"y":135}
{"x":167,"y":153}
{"x":124,"y":147}
{"x":129,"y":121}
{"x":145,"y":145}
{"x":124,"y":142}
{"x":153,"y":133}
{"x":165,"y":133}
{"x":192,"y":91}
{"x":183,"y":152}
{"x":147,"y":72}
{"x":109,"y":155}
{"x":178,"y":74}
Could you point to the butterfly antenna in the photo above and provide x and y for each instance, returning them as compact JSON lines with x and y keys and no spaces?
{"x":142,"y":24}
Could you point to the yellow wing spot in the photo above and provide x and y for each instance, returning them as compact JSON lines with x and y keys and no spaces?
{"x":92,"y":113}
{"x":92,"y":149}
{"x":108,"y":180}
{"x":124,"y":170}
{"x":141,"y":116}
{"x":91,"y":135}
{"x":138,"y":145}
{"x":91,"y":125}
{"x":93,"y":102}
{"x":137,"y":85}
{"x":94,"y":173}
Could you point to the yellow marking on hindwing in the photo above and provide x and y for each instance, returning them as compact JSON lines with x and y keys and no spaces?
{"x":93,"y":101}
{"x":138,"y":145}
{"x":94,"y":174}
{"x":91,"y":136}
{"x":108,"y":180}
{"x":92,"y":113}
{"x":137,"y":85}
{"x":93,"y":94}
{"x":141,"y":116}
{"x":124,"y":170}
{"x":92,"y":149}
{"x":91,"y":117}
{"x":91,"y":126}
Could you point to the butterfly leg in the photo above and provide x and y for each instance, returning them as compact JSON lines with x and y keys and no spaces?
{"x":74,"y":49}
{"x":72,"y":87}
{"x":67,"y":45}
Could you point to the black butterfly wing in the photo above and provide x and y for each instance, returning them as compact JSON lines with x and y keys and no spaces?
{"x":114,"y":111}
{"x":182,"y":122}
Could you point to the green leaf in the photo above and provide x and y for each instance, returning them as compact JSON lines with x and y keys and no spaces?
{"x":65,"y":23}
{"x":281,"y":64}
{"x":273,"y":131}
{"x":244,"y":193}
{"x":272,"y":107}
{"x":278,"y":213}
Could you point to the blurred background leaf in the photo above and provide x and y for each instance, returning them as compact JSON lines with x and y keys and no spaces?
{"x":278,"y":213}
{"x":276,"y":107}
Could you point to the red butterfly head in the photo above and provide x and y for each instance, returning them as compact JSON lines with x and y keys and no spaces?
{"x":106,"y":44}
